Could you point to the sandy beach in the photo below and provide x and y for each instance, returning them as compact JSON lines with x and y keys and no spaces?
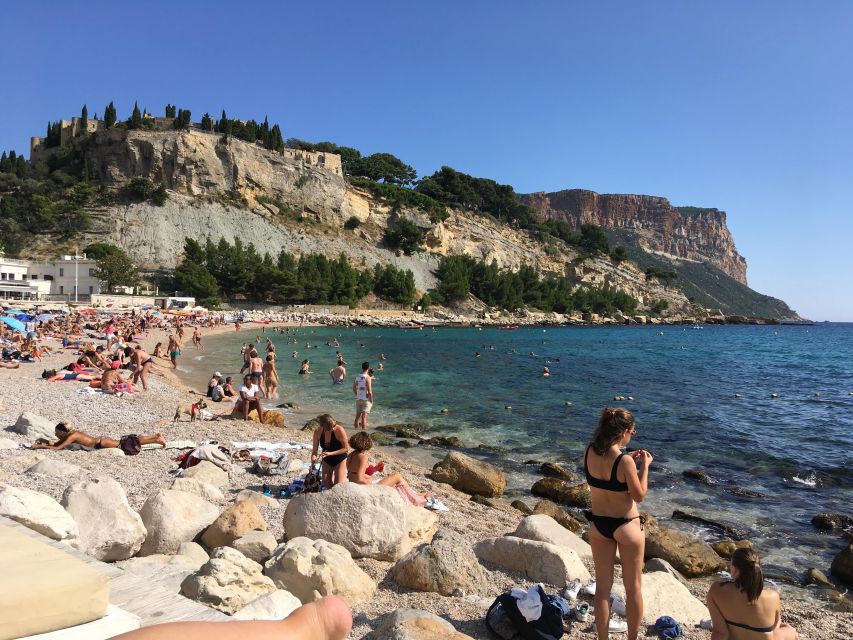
{"x":22,"y":389}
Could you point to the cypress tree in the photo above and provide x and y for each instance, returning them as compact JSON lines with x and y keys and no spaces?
{"x":206,"y":122}
{"x":136,"y":118}
{"x":84,"y":119}
{"x":13,"y":158}
{"x":109,"y":115}
{"x":21,"y":167}
{"x":4,"y":163}
{"x":276,"y":141}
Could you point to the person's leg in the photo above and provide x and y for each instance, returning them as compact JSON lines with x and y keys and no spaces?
{"x":260,"y":411}
{"x":357,"y":418}
{"x":157,"y":438}
{"x":604,"y":557}
{"x":247,"y":404}
{"x":143,"y":375}
{"x":326,"y":475}
{"x":632,"y":544}
{"x":341,"y":472}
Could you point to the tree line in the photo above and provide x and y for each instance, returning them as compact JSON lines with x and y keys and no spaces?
{"x":459,"y":276}
{"x":212,"y":272}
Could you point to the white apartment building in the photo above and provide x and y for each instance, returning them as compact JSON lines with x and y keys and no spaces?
{"x":62,"y":279}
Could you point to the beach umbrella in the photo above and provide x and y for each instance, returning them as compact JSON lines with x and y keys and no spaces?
{"x":16,"y":324}
{"x":23,"y":317}
{"x":14,"y":312}
{"x":44,"y":317}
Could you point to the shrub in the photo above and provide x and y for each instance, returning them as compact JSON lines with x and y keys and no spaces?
{"x":660,"y":306}
{"x":352,"y":223}
{"x":403,"y":234}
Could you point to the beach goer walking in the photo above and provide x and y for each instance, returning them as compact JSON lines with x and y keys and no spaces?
{"x":270,"y":376}
{"x":332,"y":439}
{"x":143,"y":363}
{"x":174,"y":350}
{"x":338,"y":373}
{"x":305,"y":368}
{"x":256,"y":369}
{"x":362,"y":387}
{"x":741,"y":608}
{"x":197,"y":338}
{"x":249,"y":399}
{"x":180,"y":333}
{"x":617,"y":482}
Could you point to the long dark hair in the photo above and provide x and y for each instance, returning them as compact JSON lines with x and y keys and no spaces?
{"x":750,"y":578}
{"x":611,"y":425}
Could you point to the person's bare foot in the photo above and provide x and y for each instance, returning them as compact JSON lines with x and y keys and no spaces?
{"x":161,"y":440}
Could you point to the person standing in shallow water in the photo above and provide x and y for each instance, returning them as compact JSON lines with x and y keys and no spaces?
{"x":617,"y":482}
{"x":174,"y":350}
{"x":362,"y":387}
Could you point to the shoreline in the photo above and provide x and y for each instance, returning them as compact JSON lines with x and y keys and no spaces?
{"x":150,"y":411}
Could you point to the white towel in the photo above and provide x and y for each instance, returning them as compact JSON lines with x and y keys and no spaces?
{"x":529,"y":602}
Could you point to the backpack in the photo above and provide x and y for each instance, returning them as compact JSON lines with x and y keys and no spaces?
{"x":549,"y":626}
{"x":313,"y":480}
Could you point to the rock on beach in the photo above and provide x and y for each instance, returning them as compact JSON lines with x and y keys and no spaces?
{"x":172,"y":517}
{"x":444,"y":566}
{"x":238,"y":519}
{"x":227,"y":582}
{"x":33,"y":426}
{"x":689,"y":554}
{"x":544,"y":528}
{"x":415,"y":624}
{"x":469,"y":475}
{"x":39,"y":512}
{"x":539,"y":561}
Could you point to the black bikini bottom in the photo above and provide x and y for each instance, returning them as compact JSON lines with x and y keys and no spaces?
{"x":607,"y":526}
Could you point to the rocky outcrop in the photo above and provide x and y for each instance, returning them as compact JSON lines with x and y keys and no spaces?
{"x":687,"y":233}
{"x":109,"y":529}
{"x":689,"y":554}
{"x":470,"y":476}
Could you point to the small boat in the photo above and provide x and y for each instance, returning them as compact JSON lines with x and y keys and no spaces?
{"x":508,"y":327}
{"x":411,"y":326}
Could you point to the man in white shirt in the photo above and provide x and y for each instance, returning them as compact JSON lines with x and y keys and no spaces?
{"x":249,"y":399}
{"x":362,"y":387}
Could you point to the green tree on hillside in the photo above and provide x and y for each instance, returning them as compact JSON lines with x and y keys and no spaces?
{"x":84,"y":120}
{"x":385,"y":167}
{"x":116,"y":269}
{"x":171,"y":111}
{"x":109,"y":115}
{"x":403,"y":234}
{"x":593,"y":239}
{"x":100,"y":250}
{"x":135,"y":118}
{"x":206,"y":122}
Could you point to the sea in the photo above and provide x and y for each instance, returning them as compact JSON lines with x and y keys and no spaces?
{"x":766,"y":409}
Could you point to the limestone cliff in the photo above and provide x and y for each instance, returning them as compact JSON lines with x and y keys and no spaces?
{"x":686,"y":233}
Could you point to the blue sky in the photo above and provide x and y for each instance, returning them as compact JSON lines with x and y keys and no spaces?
{"x":747,"y":107}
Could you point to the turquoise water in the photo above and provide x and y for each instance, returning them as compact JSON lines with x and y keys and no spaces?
{"x":792,"y":449}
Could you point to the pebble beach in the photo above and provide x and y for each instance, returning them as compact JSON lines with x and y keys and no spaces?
{"x":150,"y":412}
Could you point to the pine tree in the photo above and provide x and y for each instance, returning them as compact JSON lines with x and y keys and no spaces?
{"x":4,"y":163}
{"x":136,"y":118}
{"x":21,"y":167}
{"x":109,"y":115}
{"x":206,"y":122}
{"x":13,"y":158}
{"x":84,"y":120}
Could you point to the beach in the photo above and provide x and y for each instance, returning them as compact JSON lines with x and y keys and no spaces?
{"x":151,"y":412}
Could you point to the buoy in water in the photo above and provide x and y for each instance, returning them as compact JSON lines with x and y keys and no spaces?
{"x":774,"y":395}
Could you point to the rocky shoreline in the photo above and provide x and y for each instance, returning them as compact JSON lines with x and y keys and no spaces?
{"x":472,"y":533}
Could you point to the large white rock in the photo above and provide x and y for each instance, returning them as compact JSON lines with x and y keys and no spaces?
{"x":256,"y":545}
{"x":38,"y":512}
{"x":539,"y":561}
{"x":199,"y":488}
{"x":311,"y":569}
{"x":208,"y":472}
{"x":109,"y":529}
{"x":55,"y":468}
{"x":34,"y":426}
{"x":168,"y":571}
{"x":8,"y":443}
{"x":415,"y":624}
{"x":275,"y":605}
{"x":173,"y":517}
{"x":444,"y":566}
{"x":258,"y":498}
{"x":664,"y":595}
{"x":370,"y":521}
{"x":227,"y":582}
{"x":545,"y":529}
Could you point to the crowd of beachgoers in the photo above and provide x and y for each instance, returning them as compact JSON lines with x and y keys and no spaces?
{"x":84,"y":357}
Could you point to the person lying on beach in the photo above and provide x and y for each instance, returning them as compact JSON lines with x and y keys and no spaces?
{"x":326,"y":619}
{"x":741,"y":609}
{"x":76,"y":372}
{"x":129,"y":444}
{"x":357,"y":465}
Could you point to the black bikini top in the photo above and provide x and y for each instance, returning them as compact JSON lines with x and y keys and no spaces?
{"x":608,"y":485}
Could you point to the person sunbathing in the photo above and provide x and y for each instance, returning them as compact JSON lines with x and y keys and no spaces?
{"x":130,"y":444}
{"x":357,"y":467}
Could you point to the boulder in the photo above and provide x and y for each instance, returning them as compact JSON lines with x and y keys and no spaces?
{"x":109,"y":529}
{"x":193,"y":553}
{"x":239,"y":518}
{"x":701,"y":476}
{"x":39,"y":512}
{"x":227,"y":582}
{"x":539,"y":561}
{"x":415,"y":624}
{"x":7,"y":443}
{"x":842,"y":565}
{"x":719,"y":527}
{"x":169,"y":571}
{"x":207,"y":472}
{"x":469,"y":475}
{"x":521,"y":506}
{"x":725,"y":548}
{"x":562,"y":492}
{"x":199,"y":488}
{"x":421,"y":525}
{"x":442,"y":441}
{"x":657,"y":564}
{"x":256,"y":545}
{"x":311,"y":569}
{"x":312,"y":425}
{"x":275,"y":605}
{"x":55,"y":468}
{"x":34,"y":426}
{"x":829,"y":521}
{"x":559,"y":514}
{"x":444,"y":566}
{"x":818,"y":577}
{"x":369,"y":521}
{"x":256,"y":497}
{"x":545,"y":529}
{"x":173,"y":517}
{"x":664,"y":595}
{"x":552,"y":470}
{"x":689,"y":554}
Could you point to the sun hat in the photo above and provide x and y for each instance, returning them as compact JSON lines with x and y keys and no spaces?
{"x":216,"y":374}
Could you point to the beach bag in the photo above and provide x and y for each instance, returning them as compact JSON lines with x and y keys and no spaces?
{"x":313,"y":480}
{"x":505,"y":614}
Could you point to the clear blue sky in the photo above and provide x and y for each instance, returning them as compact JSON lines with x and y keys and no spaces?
{"x":743,"y":106}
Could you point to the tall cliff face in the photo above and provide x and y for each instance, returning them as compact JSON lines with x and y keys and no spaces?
{"x":687,"y":233}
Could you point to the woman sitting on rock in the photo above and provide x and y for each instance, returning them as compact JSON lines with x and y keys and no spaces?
{"x":615,"y":522}
{"x":741,"y":609}
{"x":332,"y":439}
{"x":357,"y":471}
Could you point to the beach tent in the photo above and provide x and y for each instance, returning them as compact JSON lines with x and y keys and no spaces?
{"x":16,"y":324}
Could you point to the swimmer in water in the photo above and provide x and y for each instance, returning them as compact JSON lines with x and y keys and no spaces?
{"x":545,"y":372}
{"x":476,"y":354}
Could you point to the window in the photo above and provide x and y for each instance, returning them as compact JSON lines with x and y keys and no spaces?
{"x":91,"y":289}
{"x":61,"y":271}
{"x":91,"y":271}
{"x":2,"y":276}
{"x":48,"y":277}
{"x":11,"y":276}
{"x":61,"y":289}
{"x":33,"y":276}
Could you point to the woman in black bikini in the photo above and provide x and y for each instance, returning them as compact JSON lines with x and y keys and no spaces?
{"x":332,"y":439}
{"x":616,"y":485}
{"x":741,"y":608}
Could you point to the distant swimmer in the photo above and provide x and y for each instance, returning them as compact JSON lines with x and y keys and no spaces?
{"x":545,"y":372}
{"x":294,"y":354}
{"x":476,"y":354}
{"x":339,"y":373}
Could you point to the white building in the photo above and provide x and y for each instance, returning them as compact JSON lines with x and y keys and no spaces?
{"x":63,"y":279}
